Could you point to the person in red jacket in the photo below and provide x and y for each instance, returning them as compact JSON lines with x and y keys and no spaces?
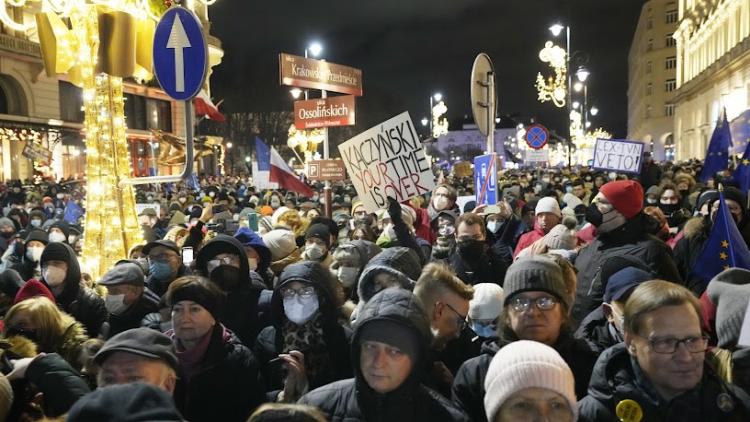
{"x":547,"y":215}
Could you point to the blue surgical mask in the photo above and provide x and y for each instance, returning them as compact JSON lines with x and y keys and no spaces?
{"x":160,"y":270}
{"x":484,"y":330}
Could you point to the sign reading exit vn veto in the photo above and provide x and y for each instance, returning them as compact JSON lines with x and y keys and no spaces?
{"x":180,"y":54}
{"x":618,"y":155}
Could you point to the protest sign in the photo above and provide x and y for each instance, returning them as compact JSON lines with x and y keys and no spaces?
{"x":744,"y":339}
{"x":387,"y":160}
{"x":140,"y":207}
{"x":618,"y":155}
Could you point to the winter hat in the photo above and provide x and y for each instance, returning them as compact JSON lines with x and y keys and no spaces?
{"x":280,"y":242}
{"x":199,"y":293}
{"x":654,"y":190}
{"x":626,"y":196}
{"x":526,"y":364}
{"x":535,"y":273}
{"x":319,"y":231}
{"x":33,"y":288}
{"x":561,"y":237}
{"x":63,"y":226}
{"x":708,"y":196}
{"x":140,"y":341}
{"x":57,"y":251}
{"x":125,"y":273}
{"x":571,"y":201}
{"x":548,"y":204}
{"x":730,"y":292}
{"x":38,"y":235}
{"x":6,"y":397}
{"x":391,"y":333}
{"x":276,"y":214}
{"x":7,"y":222}
{"x":356,"y":205}
{"x":487,"y":302}
{"x":10,"y":283}
{"x":623,"y":282}
{"x":347,"y":255}
{"x":131,"y":402}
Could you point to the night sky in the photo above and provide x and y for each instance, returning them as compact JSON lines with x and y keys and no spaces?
{"x":408,"y":49}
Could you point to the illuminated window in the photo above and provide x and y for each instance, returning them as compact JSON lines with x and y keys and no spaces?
{"x":670,"y":85}
{"x":671,"y":16}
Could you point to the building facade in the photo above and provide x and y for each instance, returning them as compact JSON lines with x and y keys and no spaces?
{"x":713,"y":69}
{"x":652,"y":64}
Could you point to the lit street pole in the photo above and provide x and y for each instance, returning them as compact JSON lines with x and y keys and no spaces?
{"x":556,"y":29}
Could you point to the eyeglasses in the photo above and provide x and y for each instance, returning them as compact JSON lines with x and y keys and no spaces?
{"x":306,"y":292}
{"x":461,"y":319}
{"x":227,"y":260}
{"x":161,"y":257}
{"x":543,"y":303}
{"x":669,"y":345}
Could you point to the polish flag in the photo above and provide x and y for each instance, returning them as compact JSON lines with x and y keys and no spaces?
{"x":205,"y":107}
{"x":282,"y":174}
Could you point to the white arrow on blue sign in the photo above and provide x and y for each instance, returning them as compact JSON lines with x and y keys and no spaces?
{"x":180,"y":54}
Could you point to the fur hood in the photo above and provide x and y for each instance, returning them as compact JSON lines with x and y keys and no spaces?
{"x":695,"y":227}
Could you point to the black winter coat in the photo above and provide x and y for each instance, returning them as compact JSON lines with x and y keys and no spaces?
{"x":597,"y":332}
{"x":688,"y":250}
{"x":61,"y":385}
{"x":228,"y":385}
{"x":354,"y":400}
{"x":615,"y":380}
{"x":468,"y":386}
{"x":133,"y":317}
{"x":629,"y":239}
{"x":487,"y":268}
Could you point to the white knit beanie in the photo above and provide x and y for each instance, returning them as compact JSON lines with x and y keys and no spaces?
{"x":526,"y":364}
{"x":548,"y":204}
{"x":276,"y":214}
{"x":280,"y":242}
{"x":487,"y":302}
{"x":560,"y":237}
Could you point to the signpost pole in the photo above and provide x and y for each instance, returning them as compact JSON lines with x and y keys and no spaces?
{"x":327,"y":188}
{"x":490,"y":87}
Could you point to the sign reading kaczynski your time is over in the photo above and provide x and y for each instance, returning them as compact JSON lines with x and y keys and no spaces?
{"x":387,"y":160}
{"x":618,"y":155}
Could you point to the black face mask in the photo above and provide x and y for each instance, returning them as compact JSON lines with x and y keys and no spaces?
{"x":668,"y":209}
{"x":594,"y":216}
{"x":226,"y":276}
{"x":15,"y":331}
{"x":6,"y":235}
{"x":471,"y":250}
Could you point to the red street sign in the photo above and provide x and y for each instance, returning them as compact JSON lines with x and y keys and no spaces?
{"x":326,"y":170}
{"x":324,"y":112}
{"x":537,"y":136}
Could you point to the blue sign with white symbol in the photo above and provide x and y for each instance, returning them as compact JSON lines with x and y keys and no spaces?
{"x":180,"y":54}
{"x":485,"y":179}
{"x":537,"y":136}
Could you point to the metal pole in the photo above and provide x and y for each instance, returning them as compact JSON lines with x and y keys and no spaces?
{"x":431,"y":117}
{"x":490,"y":87}
{"x":567,"y":118}
{"x":327,"y":188}
{"x":585,"y":106}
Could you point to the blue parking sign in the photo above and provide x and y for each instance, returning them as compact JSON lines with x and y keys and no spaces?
{"x":180,"y":54}
{"x":485,"y":179}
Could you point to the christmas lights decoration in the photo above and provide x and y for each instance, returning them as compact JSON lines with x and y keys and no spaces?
{"x":555,"y":87}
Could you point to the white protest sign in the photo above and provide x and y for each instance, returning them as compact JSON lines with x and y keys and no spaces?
{"x":618,"y":155}
{"x":537,"y":155}
{"x":140,"y":207}
{"x":461,"y":201}
{"x":387,"y":160}
{"x":744,"y":339}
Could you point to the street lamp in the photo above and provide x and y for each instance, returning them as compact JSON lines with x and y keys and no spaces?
{"x":556,"y":30}
{"x":594,"y":111}
{"x":578,"y":87}
{"x":296,"y":92}
{"x":231,"y":156}
{"x":315,"y":49}
{"x":425,"y":121}
{"x":576,"y":104}
{"x":582,"y":74}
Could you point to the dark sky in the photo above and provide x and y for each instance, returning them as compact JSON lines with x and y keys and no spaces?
{"x":408,"y":49}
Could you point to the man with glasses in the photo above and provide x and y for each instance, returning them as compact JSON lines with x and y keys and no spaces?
{"x":164,"y":265}
{"x":660,"y":372}
{"x":472,"y":259}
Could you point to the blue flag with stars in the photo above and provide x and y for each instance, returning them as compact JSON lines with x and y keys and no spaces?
{"x":725,"y":247}
{"x":717,"y":156}
{"x":741,"y":174}
{"x":740,"y":129}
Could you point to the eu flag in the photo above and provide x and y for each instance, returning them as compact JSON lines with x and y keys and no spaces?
{"x":725,"y":247}
{"x":73,"y":213}
{"x":717,"y":156}
{"x":741,"y":176}
{"x":262,"y":155}
{"x":740,"y":129}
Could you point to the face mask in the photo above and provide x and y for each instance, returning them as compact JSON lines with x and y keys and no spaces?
{"x":604,"y":222}
{"x":315,"y":198}
{"x":160,"y":270}
{"x":252,"y":263}
{"x":668,"y":209}
{"x":347,"y":200}
{"x":275,"y":204}
{"x":60,"y":196}
{"x":115,"y":304}
{"x":651,"y":201}
{"x":545,"y":179}
{"x":446,"y":230}
{"x":6,"y":235}
{"x":225,"y":276}
{"x":29,"y":334}
{"x":300,"y":309}
{"x":212,"y":194}
{"x":471,"y":249}
{"x":182,"y":200}
{"x":314,"y":252}
{"x":54,"y":276}
{"x":569,"y":189}
{"x":348,"y":276}
{"x":56,"y":237}
{"x":441,"y":203}
{"x":484,"y":330}
{"x":34,"y":254}
{"x":493,"y":226}
{"x":36,"y":222}
{"x":612,"y":176}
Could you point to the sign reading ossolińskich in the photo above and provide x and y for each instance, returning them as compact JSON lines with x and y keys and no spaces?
{"x":318,"y":74}
{"x":324,"y":112}
{"x":387,"y":160}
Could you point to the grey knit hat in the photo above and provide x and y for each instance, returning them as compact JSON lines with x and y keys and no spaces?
{"x":730,"y":292}
{"x":538,"y":274}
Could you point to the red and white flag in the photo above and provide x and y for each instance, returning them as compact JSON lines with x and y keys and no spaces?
{"x":205,"y":107}
{"x":282,"y":174}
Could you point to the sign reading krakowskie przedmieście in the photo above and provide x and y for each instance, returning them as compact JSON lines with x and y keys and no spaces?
{"x":319,"y":74}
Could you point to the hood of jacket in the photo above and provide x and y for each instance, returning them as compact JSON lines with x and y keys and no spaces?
{"x":310,"y":273}
{"x":367,"y":250}
{"x":400,"y":262}
{"x":61,"y":251}
{"x":224,"y":244}
{"x":249,"y":238}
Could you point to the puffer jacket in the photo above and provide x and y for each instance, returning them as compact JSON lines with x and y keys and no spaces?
{"x":270,"y":342}
{"x":527,"y":239}
{"x":688,"y":250}
{"x":78,"y":301}
{"x":597,"y":332}
{"x":354,"y":400}
{"x":241,"y":311}
{"x":614,"y":380}
{"x":629,"y":239}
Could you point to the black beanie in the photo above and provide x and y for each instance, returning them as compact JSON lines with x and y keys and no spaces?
{"x":132,"y":402}
{"x":200,"y":293}
{"x":38,"y":235}
{"x":319,"y":231}
{"x":393,"y":334}
{"x":55,"y":251}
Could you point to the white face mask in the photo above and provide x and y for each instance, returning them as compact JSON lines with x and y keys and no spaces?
{"x":441,"y":203}
{"x":347,"y":276}
{"x":34,"y":253}
{"x":36,"y":222}
{"x":115,"y":304}
{"x":252,"y":263}
{"x":54,"y":276}
{"x":56,"y":237}
{"x":314,"y":251}
{"x":492,"y":226}
{"x":300,"y":309}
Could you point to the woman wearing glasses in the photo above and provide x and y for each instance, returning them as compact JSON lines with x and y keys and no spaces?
{"x":535,"y":308}
{"x":305,"y":347}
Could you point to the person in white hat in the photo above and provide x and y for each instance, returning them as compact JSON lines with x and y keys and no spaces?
{"x":547,"y":215}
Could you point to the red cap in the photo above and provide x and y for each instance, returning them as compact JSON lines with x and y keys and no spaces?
{"x":625,"y":195}
{"x":33,"y":288}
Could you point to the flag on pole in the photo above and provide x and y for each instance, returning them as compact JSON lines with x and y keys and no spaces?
{"x":717,"y":156}
{"x":205,"y":107}
{"x":282,"y":174}
{"x":741,"y":174}
{"x":725,"y":247}
{"x":262,"y":155}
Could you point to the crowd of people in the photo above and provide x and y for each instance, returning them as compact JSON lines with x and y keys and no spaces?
{"x":575,"y":297}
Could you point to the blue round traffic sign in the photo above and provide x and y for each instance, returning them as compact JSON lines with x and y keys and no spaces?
{"x":180,"y":54}
{"x":537,"y":136}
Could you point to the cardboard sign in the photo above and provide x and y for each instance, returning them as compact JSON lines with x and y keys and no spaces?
{"x":326,"y":170}
{"x":387,"y":160}
{"x":324,"y":112}
{"x":140,"y":207}
{"x":744,"y":339}
{"x":319,"y":74}
{"x":618,"y":155}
